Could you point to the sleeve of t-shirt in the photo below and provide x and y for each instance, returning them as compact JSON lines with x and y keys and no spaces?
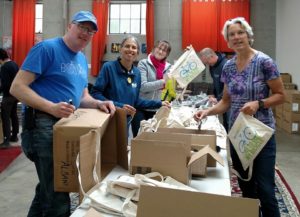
{"x":37,"y":59}
{"x":269,"y":68}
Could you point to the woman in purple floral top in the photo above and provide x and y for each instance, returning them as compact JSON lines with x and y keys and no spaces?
{"x":248,"y":78}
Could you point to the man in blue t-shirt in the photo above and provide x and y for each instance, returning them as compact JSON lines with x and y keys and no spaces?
{"x":52,"y":83}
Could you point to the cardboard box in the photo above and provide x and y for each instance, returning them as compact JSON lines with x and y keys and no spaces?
{"x":162,"y":202}
{"x":292,"y":96}
{"x":286,"y":77}
{"x":291,"y":107}
{"x":291,"y":116}
{"x":279,"y":110}
{"x":199,"y":167}
{"x":166,"y":153}
{"x":290,"y":86}
{"x":291,"y":126}
{"x":279,"y":121}
{"x":207,"y":137}
{"x":66,"y":140}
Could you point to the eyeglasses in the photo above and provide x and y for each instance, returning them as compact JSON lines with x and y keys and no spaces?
{"x":85,"y":29}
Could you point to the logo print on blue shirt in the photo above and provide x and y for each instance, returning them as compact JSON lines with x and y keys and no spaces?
{"x":72,"y":68}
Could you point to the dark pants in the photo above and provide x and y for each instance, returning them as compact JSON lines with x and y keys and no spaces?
{"x":138,"y":117}
{"x":262,"y":183}
{"x":225,"y":121}
{"x":9,"y":116}
{"x":37,"y":145}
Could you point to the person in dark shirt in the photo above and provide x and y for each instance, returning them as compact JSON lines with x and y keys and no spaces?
{"x":9,"y":116}
{"x":215,"y":61}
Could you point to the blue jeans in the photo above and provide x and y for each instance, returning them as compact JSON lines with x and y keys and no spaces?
{"x":37,"y":146}
{"x":262,"y":183}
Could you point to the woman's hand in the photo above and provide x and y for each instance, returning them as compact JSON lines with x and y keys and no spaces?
{"x":166,"y":77}
{"x":129,"y":109}
{"x":201,"y":114}
{"x":166,"y":103}
{"x":250,"y":108}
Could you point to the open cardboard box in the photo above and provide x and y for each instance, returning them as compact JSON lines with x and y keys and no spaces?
{"x":66,"y":143}
{"x":162,"y":202}
{"x":166,"y":153}
{"x":198,"y":137}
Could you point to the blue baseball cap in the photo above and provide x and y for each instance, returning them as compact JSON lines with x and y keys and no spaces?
{"x":85,"y":16}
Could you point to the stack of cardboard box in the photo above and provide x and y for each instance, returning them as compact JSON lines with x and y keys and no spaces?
{"x":288,"y":114}
{"x":291,"y":112}
{"x":287,"y":81}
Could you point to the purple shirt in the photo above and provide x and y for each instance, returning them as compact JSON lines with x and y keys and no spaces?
{"x":250,"y":85}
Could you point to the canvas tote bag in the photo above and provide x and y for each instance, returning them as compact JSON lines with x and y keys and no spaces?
{"x":248,"y":136}
{"x":187,"y":67}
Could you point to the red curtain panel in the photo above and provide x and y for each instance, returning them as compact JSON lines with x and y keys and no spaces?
{"x":228,"y":10}
{"x":150,"y":25}
{"x":23,"y":29}
{"x":203,"y":20}
{"x":100,"y":10}
{"x":199,"y":22}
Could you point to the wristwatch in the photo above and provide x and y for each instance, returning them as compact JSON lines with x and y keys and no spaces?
{"x":261,"y":104}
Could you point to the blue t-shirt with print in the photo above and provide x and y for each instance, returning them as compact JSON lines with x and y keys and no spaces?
{"x":61,"y":74}
{"x":250,"y":85}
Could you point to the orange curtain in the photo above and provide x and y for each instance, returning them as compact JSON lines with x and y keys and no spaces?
{"x":229,"y":10}
{"x":100,"y":10}
{"x":186,"y":23}
{"x":150,"y":25}
{"x":203,"y":20}
{"x":199,"y":21}
{"x":23,"y":29}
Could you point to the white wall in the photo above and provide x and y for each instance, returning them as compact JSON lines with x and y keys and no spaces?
{"x":5,"y":20}
{"x":287,"y":38}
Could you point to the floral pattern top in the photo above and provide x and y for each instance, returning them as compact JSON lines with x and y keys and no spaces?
{"x":249,"y":85}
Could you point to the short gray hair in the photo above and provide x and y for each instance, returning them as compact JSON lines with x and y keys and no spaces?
{"x":127,"y":37}
{"x":244,"y":24}
{"x":206,"y":52}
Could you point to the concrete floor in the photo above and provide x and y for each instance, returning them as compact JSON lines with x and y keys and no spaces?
{"x":18,"y":181}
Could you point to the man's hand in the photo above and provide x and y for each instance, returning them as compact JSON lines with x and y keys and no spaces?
{"x":61,"y":109}
{"x":107,"y":107}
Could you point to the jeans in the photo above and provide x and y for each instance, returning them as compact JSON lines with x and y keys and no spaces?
{"x":37,"y":146}
{"x":262,"y":184}
{"x":9,"y":116}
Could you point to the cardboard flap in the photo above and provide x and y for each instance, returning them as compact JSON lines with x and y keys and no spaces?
{"x":204,"y":151}
{"x":161,"y":202}
{"x":116,"y":133}
{"x":84,"y":117}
